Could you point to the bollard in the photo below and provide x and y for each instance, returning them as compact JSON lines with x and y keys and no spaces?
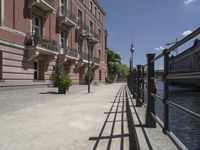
{"x":138,"y":88}
{"x":149,"y":120}
{"x":166,"y":91}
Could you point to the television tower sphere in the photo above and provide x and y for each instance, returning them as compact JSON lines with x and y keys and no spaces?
{"x":132,"y":48}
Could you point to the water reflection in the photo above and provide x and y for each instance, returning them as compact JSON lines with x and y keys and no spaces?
{"x":183,"y":126}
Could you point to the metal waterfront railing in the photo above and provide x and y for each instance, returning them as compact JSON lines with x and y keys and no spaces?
{"x":136,"y":82}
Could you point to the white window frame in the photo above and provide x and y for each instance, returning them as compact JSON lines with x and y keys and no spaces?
{"x":1,"y":12}
{"x":78,"y":17}
{"x":64,"y":38}
{"x":92,"y":26}
{"x":63,"y":5}
{"x":79,"y":47}
{"x":34,"y":26}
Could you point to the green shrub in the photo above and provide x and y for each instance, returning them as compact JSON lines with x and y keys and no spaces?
{"x":64,"y":80}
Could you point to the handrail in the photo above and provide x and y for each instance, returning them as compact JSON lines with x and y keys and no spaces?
{"x":138,"y":76}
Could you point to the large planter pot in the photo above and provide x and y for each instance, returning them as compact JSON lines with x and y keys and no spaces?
{"x":62,"y":90}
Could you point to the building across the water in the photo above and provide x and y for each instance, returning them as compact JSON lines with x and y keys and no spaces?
{"x":187,"y":62}
{"x":38,"y":35}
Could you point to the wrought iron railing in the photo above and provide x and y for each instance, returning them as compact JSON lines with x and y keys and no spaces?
{"x":33,"y":39}
{"x":96,"y":35}
{"x":71,"y":52}
{"x":85,"y":56}
{"x":136,"y":82}
{"x":67,"y":13}
{"x":82,"y":25}
{"x":96,"y":60}
{"x":50,"y":2}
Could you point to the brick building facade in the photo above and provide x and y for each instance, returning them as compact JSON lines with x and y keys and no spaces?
{"x":38,"y":35}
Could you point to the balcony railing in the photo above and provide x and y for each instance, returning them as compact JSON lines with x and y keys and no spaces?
{"x":71,"y":52}
{"x":40,"y":41}
{"x":96,"y":60}
{"x":82,"y":26}
{"x":46,"y":5}
{"x":50,"y":2}
{"x":85,"y":56}
{"x":68,"y":14}
{"x":96,"y":35}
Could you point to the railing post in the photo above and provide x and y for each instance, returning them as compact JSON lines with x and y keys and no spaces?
{"x":142,"y":91}
{"x":134,"y":83}
{"x":166,"y":91}
{"x":149,"y":120}
{"x":138,"y":90}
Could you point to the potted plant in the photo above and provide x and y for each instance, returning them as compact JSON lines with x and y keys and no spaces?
{"x":64,"y":82}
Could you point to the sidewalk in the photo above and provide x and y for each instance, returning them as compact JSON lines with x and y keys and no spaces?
{"x":40,"y":119}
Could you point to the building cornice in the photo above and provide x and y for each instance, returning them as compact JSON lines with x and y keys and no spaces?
{"x":99,"y":6}
{"x":89,"y":13}
{"x":10,"y":44}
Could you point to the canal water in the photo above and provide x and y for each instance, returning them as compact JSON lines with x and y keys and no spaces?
{"x":183,"y":126}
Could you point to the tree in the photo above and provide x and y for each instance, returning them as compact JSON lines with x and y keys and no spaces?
{"x":115,"y":67}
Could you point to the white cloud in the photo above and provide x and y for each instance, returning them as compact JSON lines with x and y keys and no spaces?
{"x":161,"y":48}
{"x":187,"y":2}
{"x":185,"y":33}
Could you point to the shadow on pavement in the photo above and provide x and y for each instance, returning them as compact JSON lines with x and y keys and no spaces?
{"x":115,"y":122}
{"x":50,"y":92}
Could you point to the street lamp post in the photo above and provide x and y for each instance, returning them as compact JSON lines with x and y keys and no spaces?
{"x":132,"y":49}
{"x":90,"y":47}
{"x":88,"y":66}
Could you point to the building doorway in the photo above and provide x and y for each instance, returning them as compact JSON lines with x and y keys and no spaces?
{"x":100,"y":75}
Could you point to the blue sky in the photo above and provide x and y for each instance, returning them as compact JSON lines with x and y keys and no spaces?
{"x":153,"y":23}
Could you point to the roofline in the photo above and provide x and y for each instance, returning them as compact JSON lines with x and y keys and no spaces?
{"x":99,"y":6}
{"x":187,"y":50}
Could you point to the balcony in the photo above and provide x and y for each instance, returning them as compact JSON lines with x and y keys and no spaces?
{"x":66,"y":17}
{"x":85,"y":56}
{"x":82,"y":29}
{"x":93,"y":37}
{"x":45,"y":5}
{"x":69,"y":53}
{"x":36,"y":45}
{"x":96,"y":60}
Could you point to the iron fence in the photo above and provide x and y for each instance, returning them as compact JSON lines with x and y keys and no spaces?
{"x":136,"y":82}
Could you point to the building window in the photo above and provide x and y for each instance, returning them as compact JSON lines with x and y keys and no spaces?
{"x":1,"y":66}
{"x":0,"y":11}
{"x":79,"y":48}
{"x":91,"y":27}
{"x":63,"y":39}
{"x":63,"y":7}
{"x":99,"y":15}
{"x":80,"y":18}
{"x":36,"y":70}
{"x":95,"y":12}
{"x":99,"y":54}
{"x":99,"y":35}
{"x":36,"y":26}
{"x":105,"y":58}
{"x":100,"y":75}
{"x":91,"y":6}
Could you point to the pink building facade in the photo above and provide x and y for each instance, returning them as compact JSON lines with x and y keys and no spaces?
{"x":38,"y":35}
